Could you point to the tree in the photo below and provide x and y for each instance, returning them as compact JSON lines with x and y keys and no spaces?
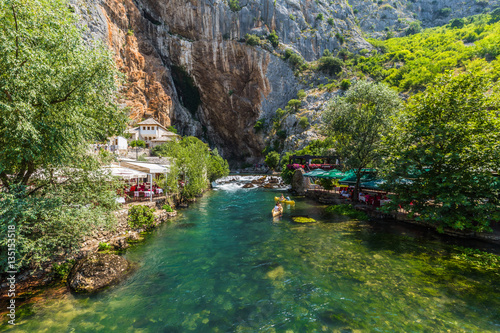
{"x":293,"y":105}
{"x":413,"y":28}
{"x":57,"y":93}
{"x":358,"y":121}
{"x":447,"y":143}
{"x":272,"y":160}
{"x":57,"y":96}
{"x":192,"y":162}
{"x":330,"y":64}
{"x":137,"y":143}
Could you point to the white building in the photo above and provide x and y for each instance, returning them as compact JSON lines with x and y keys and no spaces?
{"x":151,"y":132}
{"x":118,"y":143}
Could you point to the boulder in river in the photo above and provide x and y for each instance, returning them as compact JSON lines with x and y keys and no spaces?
{"x":97,"y":271}
{"x":300,"y":183}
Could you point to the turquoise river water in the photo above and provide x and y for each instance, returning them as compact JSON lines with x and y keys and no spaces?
{"x":225,"y":265}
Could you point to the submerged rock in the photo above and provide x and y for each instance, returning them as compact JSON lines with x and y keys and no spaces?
{"x":97,"y":271}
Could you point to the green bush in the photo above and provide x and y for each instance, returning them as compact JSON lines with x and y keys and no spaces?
{"x":140,"y":216}
{"x":274,"y":39}
{"x":61,"y":271}
{"x":295,"y":59}
{"x":331,"y":21}
{"x":172,"y":129}
{"x":272,"y":160}
{"x":413,"y":28}
{"x":330,"y":64}
{"x":259,"y":125}
{"x":252,"y":40}
{"x":103,"y":246}
{"x":301,"y":94}
{"x":319,"y":17}
{"x":346,"y":210}
{"x":167,"y":208}
{"x":304,"y":122}
{"x":345,"y":84}
{"x":234,"y":5}
{"x":137,"y":143}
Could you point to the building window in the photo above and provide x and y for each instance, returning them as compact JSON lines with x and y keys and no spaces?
{"x":144,"y":128}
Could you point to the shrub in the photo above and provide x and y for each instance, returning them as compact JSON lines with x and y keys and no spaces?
{"x":61,"y":271}
{"x":319,"y":17}
{"x":457,"y":23}
{"x":259,"y":125}
{"x":234,"y":5}
{"x":272,"y":160}
{"x":304,"y":122}
{"x":295,"y":59}
{"x":252,"y":40}
{"x":167,"y":208}
{"x":274,"y":39}
{"x":413,"y":28}
{"x":330,"y":64}
{"x":444,"y":12}
{"x":346,"y":210}
{"x":141,"y":217}
{"x":281,"y":134}
{"x":331,"y":21}
{"x":471,"y":37}
{"x":301,"y":94}
{"x":103,"y":246}
{"x":172,"y":129}
{"x":137,"y":143}
{"x":345,"y":84}
{"x":294,"y":105}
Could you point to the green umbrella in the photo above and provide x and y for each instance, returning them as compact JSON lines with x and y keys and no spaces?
{"x":315,"y":173}
{"x":333,"y":174}
{"x":350,"y":178}
{"x":374,"y":184}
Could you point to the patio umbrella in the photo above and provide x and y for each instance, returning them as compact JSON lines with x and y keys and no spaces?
{"x":333,"y":174}
{"x":315,"y":173}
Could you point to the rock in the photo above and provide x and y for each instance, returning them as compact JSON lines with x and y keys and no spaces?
{"x":249,"y":185}
{"x":97,"y":271}
{"x":119,"y":243}
{"x":299,"y":182}
{"x":133,"y":236}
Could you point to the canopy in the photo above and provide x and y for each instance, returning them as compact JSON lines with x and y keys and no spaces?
{"x":145,"y":167}
{"x":374,"y":184}
{"x":351,"y":178}
{"x":333,"y":174}
{"x":124,"y":173}
{"x":315,"y":173}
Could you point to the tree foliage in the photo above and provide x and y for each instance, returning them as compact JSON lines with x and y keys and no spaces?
{"x":193,"y":163}
{"x":448,"y":144}
{"x":57,"y":93}
{"x":410,"y":63}
{"x":137,"y":143}
{"x":272,"y":160}
{"x":358,"y":121}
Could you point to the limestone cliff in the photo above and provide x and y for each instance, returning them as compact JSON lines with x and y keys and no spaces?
{"x":378,"y":18}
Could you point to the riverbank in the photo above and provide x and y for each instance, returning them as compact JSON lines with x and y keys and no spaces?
{"x":333,"y":198}
{"x":32,"y":286}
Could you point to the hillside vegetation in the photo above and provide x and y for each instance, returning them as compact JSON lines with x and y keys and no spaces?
{"x":410,"y":63}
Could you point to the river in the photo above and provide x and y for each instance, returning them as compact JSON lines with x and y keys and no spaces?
{"x":224,"y":265}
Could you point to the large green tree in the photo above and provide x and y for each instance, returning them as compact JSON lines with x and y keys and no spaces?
{"x":358,"y":120}
{"x":192,"y":162}
{"x":57,"y":96}
{"x":448,"y":144}
{"x":57,"y":91}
